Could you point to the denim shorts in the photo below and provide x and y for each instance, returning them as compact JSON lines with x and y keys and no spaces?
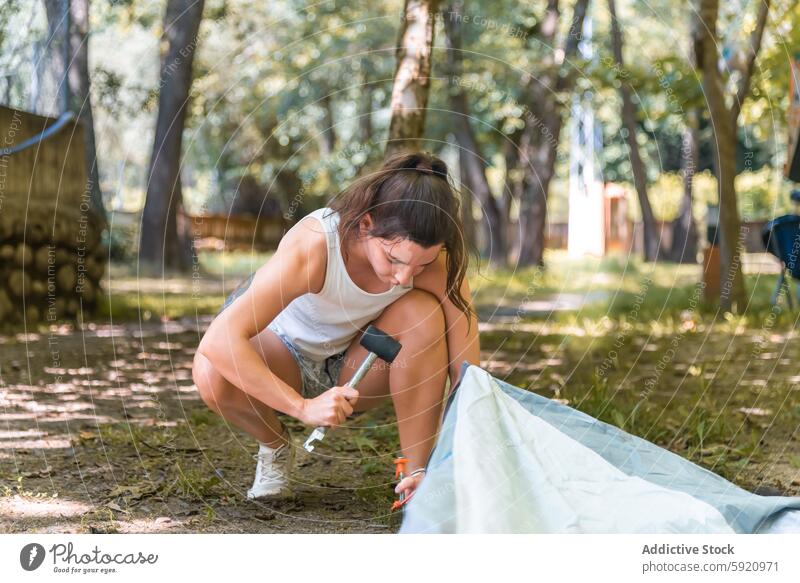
{"x":317,"y":377}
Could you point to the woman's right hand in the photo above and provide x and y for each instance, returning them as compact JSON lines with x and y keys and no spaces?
{"x":331,"y":408}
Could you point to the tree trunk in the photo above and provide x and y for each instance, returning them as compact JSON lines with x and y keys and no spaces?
{"x":326,"y":136}
{"x":538,"y":163}
{"x":493,"y":225}
{"x":511,"y":184}
{"x":684,"y":230}
{"x":543,"y":123}
{"x":651,"y":235}
{"x":365,"y":127}
{"x":470,"y":156}
{"x":512,"y":187}
{"x":163,"y":243}
{"x":80,"y":96}
{"x":365,"y":118}
{"x":57,"y":50}
{"x":532,"y":226}
{"x":723,"y":124}
{"x":467,"y":216}
{"x":412,"y":76}
{"x":732,"y":292}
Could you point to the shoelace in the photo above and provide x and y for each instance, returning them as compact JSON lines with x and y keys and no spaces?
{"x":273,"y":457}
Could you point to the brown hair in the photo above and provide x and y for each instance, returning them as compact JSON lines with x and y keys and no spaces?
{"x":410,"y":197}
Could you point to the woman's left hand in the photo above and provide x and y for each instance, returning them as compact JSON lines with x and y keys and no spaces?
{"x":409,"y":484}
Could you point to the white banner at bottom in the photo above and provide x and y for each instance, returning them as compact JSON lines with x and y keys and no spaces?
{"x":390,"y":558}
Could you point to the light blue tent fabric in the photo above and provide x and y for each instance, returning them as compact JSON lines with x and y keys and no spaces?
{"x":508,"y":460}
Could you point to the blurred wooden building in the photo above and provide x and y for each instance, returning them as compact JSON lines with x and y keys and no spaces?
{"x":51,"y":256}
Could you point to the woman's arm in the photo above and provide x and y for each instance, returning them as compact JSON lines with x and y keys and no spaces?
{"x":297,"y":267}
{"x":462,"y":334}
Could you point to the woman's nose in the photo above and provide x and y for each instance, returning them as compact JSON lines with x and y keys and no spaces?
{"x":403,"y":275}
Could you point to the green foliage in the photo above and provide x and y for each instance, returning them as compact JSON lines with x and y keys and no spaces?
{"x":762,"y":195}
{"x":264,"y":73}
{"x":758,"y":194}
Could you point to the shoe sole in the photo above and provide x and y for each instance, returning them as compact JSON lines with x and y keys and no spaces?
{"x":276,"y":495}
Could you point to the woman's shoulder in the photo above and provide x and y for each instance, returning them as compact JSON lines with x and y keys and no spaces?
{"x":306,"y":243}
{"x":433,"y":278}
{"x":321,"y":221}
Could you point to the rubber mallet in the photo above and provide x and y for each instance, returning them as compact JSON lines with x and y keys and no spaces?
{"x":379,"y":345}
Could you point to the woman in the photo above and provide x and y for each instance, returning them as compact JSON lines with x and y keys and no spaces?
{"x":390,"y":252}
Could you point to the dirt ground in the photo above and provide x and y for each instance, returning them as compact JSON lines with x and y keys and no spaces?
{"x":102,"y":430}
{"x":106,"y":433}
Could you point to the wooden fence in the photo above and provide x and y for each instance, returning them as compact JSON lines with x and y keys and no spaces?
{"x":236,"y":232}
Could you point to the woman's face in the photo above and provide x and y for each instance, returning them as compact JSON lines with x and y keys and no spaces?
{"x":396,"y":261}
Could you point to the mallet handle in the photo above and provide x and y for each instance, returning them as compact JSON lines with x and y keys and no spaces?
{"x":319,"y":433}
{"x":362,"y":370}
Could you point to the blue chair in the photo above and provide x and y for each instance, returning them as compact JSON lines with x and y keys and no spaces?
{"x":781,"y":238}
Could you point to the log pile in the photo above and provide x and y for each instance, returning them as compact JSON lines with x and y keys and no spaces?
{"x":49,"y":270}
{"x":51,"y":255}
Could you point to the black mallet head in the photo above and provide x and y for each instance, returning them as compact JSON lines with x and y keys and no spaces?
{"x":377,"y":341}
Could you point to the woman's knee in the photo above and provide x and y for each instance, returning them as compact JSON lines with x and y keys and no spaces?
{"x":211,"y":385}
{"x":418,"y":314}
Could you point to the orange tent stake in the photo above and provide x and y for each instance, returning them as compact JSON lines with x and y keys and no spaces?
{"x":400,"y":473}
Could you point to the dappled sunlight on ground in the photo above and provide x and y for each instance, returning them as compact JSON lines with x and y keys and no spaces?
{"x":143,"y":525}
{"x":18,"y":507}
{"x":102,"y":429}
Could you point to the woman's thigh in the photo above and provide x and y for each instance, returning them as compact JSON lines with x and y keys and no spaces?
{"x":278,"y":358}
{"x":216,"y":388}
{"x":401,"y":318}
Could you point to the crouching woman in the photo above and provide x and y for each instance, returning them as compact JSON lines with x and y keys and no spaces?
{"x":389,"y":251}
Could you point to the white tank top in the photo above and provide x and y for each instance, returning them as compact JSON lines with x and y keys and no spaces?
{"x":323,"y":324}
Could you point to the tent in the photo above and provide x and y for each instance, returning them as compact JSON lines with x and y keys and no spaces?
{"x":510,"y":461}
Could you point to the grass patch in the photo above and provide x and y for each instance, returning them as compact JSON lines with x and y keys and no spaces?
{"x":619,"y":287}
{"x":234,"y":264}
{"x":130,"y":306}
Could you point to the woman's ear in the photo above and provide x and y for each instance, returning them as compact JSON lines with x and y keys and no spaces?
{"x":365,"y":225}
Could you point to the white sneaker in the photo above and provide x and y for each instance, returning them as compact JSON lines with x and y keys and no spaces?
{"x":273,"y":470}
